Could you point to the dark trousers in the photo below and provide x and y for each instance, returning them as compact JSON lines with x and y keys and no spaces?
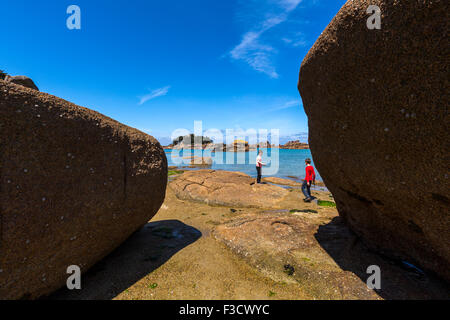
{"x":306,"y":189}
{"x":258,"y":170}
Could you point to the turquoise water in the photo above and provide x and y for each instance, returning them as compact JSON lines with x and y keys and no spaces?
{"x":283,"y":162}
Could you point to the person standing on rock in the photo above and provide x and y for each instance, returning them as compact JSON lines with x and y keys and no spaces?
{"x":259,"y":165}
{"x":310,"y":177}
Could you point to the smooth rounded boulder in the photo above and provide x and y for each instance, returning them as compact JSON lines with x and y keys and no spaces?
{"x":74,"y":185}
{"x":377,"y":104}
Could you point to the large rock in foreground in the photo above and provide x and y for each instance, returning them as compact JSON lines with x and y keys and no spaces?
{"x":74,"y":185}
{"x":226,"y":188}
{"x":318,"y":251}
{"x":377,"y":103}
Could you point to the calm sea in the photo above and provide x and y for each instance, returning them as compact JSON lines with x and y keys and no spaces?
{"x":288,"y":163}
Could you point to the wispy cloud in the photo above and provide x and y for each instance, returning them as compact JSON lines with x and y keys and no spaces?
{"x":252,"y":48}
{"x":296,"y":40}
{"x":154,"y":94}
{"x":287,"y":105}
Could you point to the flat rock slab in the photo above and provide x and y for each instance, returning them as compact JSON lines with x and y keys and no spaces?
{"x":74,"y":185}
{"x":216,"y":187}
{"x":283,"y":182}
{"x":319,"y":252}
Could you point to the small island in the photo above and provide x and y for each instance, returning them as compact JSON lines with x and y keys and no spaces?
{"x":294,"y":145}
{"x":194,"y":142}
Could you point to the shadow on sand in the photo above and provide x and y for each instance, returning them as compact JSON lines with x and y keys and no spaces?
{"x":146,"y":250}
{"x":398,"y":280}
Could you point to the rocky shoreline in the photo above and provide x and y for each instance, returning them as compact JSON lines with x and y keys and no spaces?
{"x":217,"y":236}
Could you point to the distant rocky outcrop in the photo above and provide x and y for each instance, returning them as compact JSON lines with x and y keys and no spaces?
{"x":74,"y":185}
{"x":294,"y":145}
{"x":226,"y":188}
{"x":21,"y":80}
{"x":377,"y":103}
{"x":235,"y":146}
{"x":190,"y":142}
{"x":240,"y":146}
{"x":256,"y":146}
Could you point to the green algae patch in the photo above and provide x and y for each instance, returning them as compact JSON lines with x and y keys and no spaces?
{"x":325,"y":203}
{"x":174,"y":172}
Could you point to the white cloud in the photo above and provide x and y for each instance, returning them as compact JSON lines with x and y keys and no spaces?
{"x":252,"y":49}
{"x":256,"y":54}
{"x":154,"y":94}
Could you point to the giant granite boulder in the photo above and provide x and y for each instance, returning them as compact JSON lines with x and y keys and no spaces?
{"x":377,"y":103}
{"x":74,"y":185}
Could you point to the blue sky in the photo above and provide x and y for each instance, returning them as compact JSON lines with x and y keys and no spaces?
{"x":161,"y":65}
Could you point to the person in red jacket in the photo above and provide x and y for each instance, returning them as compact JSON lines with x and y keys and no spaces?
{"x":310,"y":178}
